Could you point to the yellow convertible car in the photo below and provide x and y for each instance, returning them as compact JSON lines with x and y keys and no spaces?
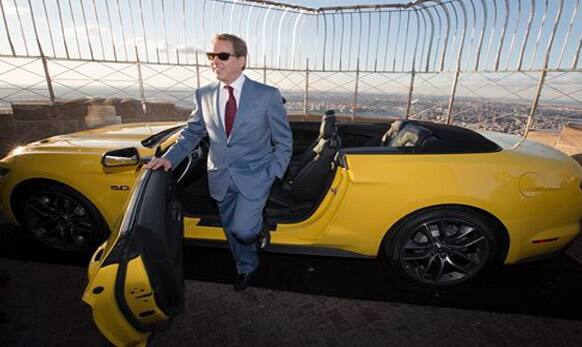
{"x":440,"y":202}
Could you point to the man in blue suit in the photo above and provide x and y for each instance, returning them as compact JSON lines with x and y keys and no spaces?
{"x":250,"y":145}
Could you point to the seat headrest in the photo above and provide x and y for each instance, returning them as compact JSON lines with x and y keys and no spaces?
{"x":392,"y":131}
{"x":327,"y":128}
{"x":410,"y":135}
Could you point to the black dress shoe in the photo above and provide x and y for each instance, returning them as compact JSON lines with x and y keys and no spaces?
{"x":242,"y":281}
{"x":264,"y":238}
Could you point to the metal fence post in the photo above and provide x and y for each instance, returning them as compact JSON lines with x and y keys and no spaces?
{"x":306,"y":98}
{"x":49,"y":83}
{"x":141,"y":89}
{"x":355,"y":105}
{"x":264,"y":69}
{"x":197,"y":72}
{"x":534,"y":105}
{"x":452,"y":98}
{"x":409,"y":103}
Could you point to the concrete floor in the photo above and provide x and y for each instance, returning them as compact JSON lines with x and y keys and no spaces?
{"x":299,"y":300}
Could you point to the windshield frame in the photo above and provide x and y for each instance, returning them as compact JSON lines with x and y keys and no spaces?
{"x":157,"y":138}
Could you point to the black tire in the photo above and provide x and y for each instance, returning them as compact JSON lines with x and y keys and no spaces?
{"x":61,"y":218}
{"x":442,"y":246}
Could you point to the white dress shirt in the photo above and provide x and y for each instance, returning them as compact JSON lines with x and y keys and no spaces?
{"x":224,"y":95}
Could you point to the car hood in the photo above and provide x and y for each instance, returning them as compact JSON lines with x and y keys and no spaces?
{"x":109,"y":137}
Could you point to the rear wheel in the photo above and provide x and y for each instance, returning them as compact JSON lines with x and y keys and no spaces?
{"x":62,"y":218}
{"x":442,"y":246}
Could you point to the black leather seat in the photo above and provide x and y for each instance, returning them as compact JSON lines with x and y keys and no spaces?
{"x":407,"y":134}
{"x":305,"y":181}
{"x":392,"y":131}
{"x":327,"y":132}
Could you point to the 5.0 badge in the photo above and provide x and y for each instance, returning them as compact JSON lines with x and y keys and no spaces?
{"x":115,"y":187}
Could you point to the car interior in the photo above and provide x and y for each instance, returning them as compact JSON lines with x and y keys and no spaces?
{"x":314,"y":162}
{"x":308,"y":177}
{"x":407,"y":134}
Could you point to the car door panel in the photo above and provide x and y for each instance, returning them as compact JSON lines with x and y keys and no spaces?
{"x":136,"y":279}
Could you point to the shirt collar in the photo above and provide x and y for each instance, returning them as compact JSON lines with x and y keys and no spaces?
{"x":237,"y":84}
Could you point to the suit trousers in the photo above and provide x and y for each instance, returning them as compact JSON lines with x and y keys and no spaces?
{"x":242,"y":219}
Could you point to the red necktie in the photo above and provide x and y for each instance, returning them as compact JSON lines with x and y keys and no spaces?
{"x":229,"y":111}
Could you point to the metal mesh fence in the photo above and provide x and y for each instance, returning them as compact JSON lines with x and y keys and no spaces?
{"x":508,"y":65}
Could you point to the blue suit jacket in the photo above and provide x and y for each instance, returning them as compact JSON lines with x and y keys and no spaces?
{"x":258,"y":149}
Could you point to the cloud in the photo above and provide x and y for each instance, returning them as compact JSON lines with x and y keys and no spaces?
{"x":164,"y":46}
{"x":189,"y":49}
{"x":93,"y":30}
{"x":161,"y":45}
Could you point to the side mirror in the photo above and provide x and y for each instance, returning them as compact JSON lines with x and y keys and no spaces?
{"x":120,"y":157}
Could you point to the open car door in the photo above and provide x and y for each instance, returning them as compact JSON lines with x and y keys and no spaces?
{"x":136,"y":277}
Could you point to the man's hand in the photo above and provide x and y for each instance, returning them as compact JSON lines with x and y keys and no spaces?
{"x":157,"y":163}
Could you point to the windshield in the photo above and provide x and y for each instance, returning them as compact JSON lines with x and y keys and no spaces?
{"x":161,"y":136}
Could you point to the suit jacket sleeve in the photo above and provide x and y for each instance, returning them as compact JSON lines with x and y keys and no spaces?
{"x":189,"y":137}
{"x":281,"y":135}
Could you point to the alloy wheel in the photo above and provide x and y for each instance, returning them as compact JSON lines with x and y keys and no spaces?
{"x":59,"y":221}
{"x":445,"y":251}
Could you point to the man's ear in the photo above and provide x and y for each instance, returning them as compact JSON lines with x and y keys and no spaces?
{"x":243,"y":62}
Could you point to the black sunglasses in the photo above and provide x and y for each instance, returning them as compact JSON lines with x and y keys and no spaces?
{"x":222,"y":55}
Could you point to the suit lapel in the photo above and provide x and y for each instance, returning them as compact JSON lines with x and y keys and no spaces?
{"x":216,"y":117}
{"x":243,"y":105}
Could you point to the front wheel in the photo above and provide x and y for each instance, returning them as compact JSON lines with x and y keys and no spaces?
{"x":442,"y":246}
{"x":62,"y":218}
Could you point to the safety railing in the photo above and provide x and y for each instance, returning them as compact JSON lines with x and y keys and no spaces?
{"x":510,"y":65}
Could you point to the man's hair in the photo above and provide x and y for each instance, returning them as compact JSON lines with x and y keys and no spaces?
{"x":238,"y":44}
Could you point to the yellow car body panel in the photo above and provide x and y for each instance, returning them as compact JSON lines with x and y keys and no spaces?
{"x":89,"y":179}
{"x":100,"y":295}
{"x":74,"y":160}
{"x":105,"y":311}
{"x":367,"y":200}
{"x":395,"y":186}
